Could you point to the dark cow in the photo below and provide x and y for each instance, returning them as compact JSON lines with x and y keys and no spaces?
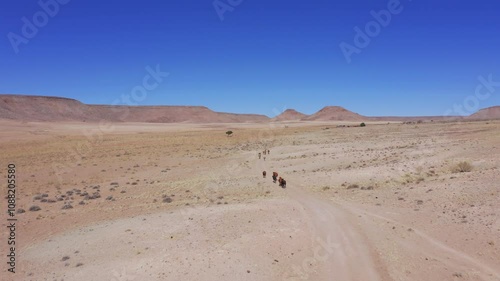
{"x":282,"y":182}
{"x":264,"y":174}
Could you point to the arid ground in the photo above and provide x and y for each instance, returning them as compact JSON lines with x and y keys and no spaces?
{"x":135,"y":201}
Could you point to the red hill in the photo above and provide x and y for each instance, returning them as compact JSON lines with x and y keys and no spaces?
{"x":290,"y":115}
{"x":486,"y":114}
{"x":335,"y":113}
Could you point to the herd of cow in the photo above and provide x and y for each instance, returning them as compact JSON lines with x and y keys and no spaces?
{"x":280,"y":180}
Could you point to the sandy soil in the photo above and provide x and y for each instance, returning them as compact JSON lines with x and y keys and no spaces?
{"x":186,"y":202}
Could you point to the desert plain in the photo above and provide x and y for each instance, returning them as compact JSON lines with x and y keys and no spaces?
{"x":142,"y":201}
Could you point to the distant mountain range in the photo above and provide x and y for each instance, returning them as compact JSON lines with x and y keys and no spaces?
{"x":56,"y":109}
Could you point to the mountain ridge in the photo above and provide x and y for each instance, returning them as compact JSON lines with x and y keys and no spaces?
{"x":60,"y":109}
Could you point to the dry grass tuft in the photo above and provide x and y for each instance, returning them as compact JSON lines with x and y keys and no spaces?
{"x":463,"y":167}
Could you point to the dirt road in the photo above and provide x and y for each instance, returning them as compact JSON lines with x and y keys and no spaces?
{"x":349,"y":255}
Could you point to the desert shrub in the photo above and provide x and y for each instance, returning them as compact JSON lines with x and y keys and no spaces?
{"x":353,"y":186}
{"x":463,"y":167}
{"x":229,"y":133}
{"x":362,"y":125}
{"x":21,"y":211}
{"x":67,"y":207}
{"x":35,"y":208}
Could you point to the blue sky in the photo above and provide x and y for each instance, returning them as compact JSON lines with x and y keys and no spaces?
{"x":263,"y":56}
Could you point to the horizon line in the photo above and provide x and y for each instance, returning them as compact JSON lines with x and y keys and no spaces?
{"x":240,"y":113}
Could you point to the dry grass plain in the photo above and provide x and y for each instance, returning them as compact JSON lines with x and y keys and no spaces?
{"x":186,"y":202}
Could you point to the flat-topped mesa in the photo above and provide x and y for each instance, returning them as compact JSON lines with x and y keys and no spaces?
{"x":290,"y":115}
{"x":54,"y":109}
{"x":335,"y":113}
{"x":41,"y":108}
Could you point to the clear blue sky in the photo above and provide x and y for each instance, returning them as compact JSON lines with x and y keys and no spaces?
{"x":264,"y":56}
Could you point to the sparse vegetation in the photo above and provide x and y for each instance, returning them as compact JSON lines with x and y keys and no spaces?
{"x":362,"y":125}
{"x":378,"y":160}
{"x":463,"y":167}
{"x":229,"y":133}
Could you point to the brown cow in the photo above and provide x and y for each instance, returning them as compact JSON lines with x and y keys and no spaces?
{"x":264,"y":174}
{"x":275,"y":177}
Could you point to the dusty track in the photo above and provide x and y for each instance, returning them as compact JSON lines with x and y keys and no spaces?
{"x":350,"y":250}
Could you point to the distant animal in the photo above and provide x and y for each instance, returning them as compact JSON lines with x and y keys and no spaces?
{"x":260,"y":155}
{"x":275,"y":177}
{"x":264,"y":174}
{"x":265,"y":152}
{"x":268,"y":151}
{"x":282,"y":182}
